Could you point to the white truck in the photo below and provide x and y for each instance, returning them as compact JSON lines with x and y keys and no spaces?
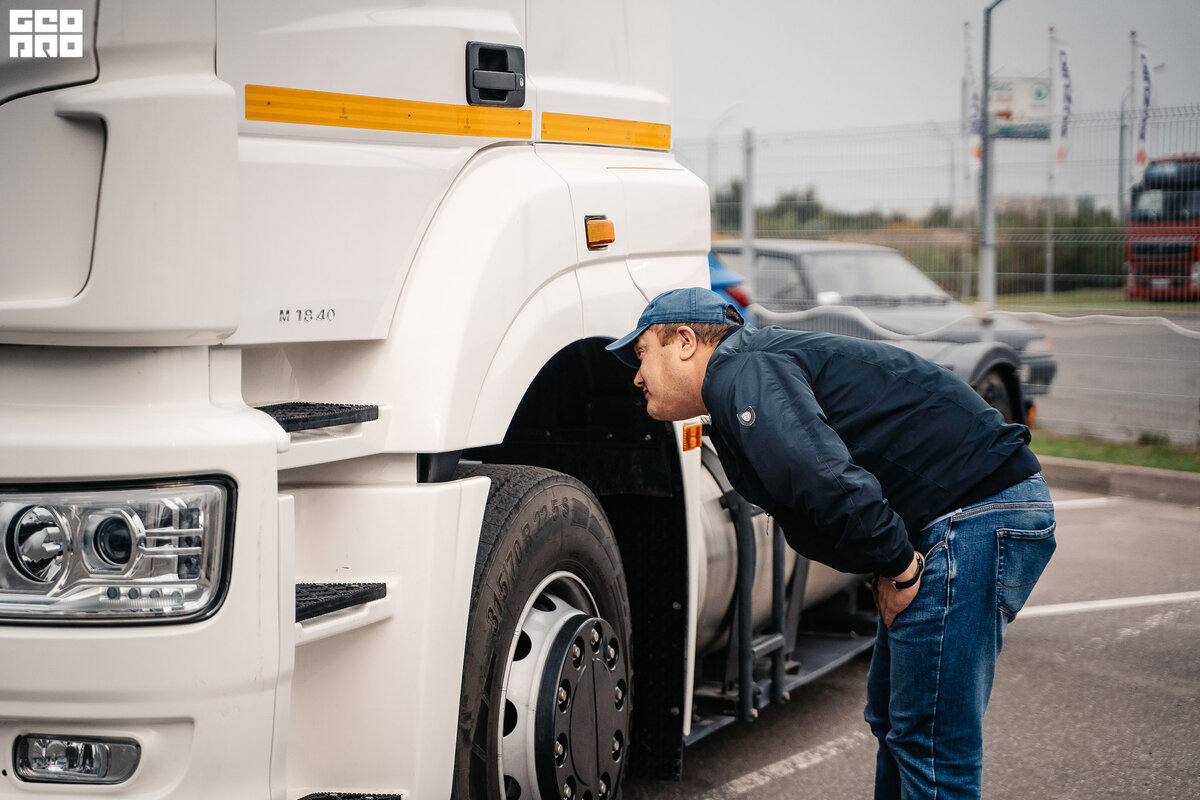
{"x":315,"y":479}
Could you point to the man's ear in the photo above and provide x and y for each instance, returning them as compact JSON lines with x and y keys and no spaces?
{"x":688,"y":342}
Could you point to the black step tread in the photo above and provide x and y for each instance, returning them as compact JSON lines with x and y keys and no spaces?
{"x":819,"y":653}
{"x":352,"y":796}
{"x":306,"y":416}
{"x":765,"y":645}
{"x":315,"y":599}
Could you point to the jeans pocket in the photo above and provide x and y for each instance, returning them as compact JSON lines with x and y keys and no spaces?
{"x":1023,"y":555}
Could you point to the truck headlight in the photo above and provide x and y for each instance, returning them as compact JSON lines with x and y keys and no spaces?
{"x":136,"y":553}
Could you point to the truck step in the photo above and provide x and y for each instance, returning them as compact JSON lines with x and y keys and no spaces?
{"x":307,"y":416}
{"x":351,"y":796}
{"x":716,"y":706}
{"x":819,"y":653}
{"x":315,"y":599}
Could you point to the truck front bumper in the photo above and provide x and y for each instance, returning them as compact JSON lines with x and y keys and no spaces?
{"x":245,"y":702}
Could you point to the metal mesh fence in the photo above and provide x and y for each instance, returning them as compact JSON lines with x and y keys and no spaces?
{"x":1062,"y":231}
{"x":1127,"y":379}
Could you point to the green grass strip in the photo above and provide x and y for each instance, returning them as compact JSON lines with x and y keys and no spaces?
{"x":1162,"y":456}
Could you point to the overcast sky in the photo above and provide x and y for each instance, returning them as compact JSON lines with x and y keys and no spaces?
{"x":784,"y":65}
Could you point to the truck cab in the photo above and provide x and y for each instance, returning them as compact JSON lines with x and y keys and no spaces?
{"x":315,"y":478}
{"x":1162,"y":248}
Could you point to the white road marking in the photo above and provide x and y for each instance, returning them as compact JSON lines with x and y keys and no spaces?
{"x":787,"y":766}
{"x":1085,"y":502}
{"x":752,"y":781}
{"x":1058,"y":609}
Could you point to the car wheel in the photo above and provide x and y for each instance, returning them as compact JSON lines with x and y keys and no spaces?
{"x":995,"y":393}
{"x":546,"y":674}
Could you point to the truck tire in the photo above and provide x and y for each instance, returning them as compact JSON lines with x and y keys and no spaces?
{"x":995,"y":393}
{"x":546,"y":673}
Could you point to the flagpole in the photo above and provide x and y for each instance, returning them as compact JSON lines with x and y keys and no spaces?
{"x":1133,"y":114}
{"x":1055,"y":102}
{"x":964,"y":137}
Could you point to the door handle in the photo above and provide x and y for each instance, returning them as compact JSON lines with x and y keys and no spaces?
{"x":495,"y":75}
{"x":501,"y":81}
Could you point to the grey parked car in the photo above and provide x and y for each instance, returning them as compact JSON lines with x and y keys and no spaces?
{"x":876,"y":293}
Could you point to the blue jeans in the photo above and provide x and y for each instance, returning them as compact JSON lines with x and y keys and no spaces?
{"x":931,"y":672}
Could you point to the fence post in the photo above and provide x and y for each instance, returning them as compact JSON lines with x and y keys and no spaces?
{"x":748,"y":221}
{"x":1048,"y":288}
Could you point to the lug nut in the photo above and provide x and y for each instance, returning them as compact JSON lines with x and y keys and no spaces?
{"x":616,"y":746}
{"x":562,"y":694}
{"x":567,"y":791}
{"x":595,"y":635}
{"x":610,"y":653}
{"x":603,"y":789}
{"x":558,"y":750}
{"x":576,"y":652}
{"x":619,"y":694}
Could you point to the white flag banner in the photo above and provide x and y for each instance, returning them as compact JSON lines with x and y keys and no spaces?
{"x":971,"y":124}
{"x":1060,"y":72}
{"x":1143,"y":93}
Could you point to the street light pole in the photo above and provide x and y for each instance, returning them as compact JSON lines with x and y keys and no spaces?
{"x":987,"y":211}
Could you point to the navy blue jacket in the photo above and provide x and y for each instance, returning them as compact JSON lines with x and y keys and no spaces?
{"x":850,"y":443}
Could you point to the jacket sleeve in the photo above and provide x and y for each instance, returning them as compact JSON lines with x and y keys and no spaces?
{"x":801,"y":461}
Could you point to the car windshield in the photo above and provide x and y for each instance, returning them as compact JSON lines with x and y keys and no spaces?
{"x":868,"y":276}
{"x":1166,"y":205}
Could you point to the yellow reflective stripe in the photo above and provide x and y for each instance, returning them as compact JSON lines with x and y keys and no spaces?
{"x":305,"y":107}
{"x":602,"y":130}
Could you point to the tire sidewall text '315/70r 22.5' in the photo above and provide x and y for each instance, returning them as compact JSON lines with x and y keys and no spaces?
{"x":546,"y":674}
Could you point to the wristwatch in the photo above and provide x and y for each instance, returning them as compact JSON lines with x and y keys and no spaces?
{"x":905,"y":584}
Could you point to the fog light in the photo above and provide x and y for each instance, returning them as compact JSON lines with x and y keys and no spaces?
{"x":45,"y":758}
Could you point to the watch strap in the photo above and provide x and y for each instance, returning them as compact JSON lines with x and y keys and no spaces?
{"x":906,"y":584}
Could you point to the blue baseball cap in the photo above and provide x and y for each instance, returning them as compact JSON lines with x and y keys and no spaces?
{"x":693,"y":305}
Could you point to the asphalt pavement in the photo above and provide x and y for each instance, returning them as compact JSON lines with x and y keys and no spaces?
{"x":1097,"y":692}
{"x":1123,"y":381}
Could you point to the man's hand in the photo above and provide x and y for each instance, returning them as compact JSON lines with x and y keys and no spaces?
{"x":891,"y":601}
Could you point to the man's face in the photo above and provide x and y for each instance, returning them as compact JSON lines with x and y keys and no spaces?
{"x":666,"y":379}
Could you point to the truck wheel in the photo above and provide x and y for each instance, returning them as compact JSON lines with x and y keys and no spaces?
{"x":993,"y":391}
{"x":545,"y":693}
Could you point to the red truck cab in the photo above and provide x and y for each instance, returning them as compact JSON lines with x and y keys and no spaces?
{"x":1162,"y":242}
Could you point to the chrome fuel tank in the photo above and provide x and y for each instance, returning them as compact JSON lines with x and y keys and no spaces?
{"x":717,"y":576}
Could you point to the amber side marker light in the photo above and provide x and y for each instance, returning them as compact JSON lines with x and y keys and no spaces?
{"x":692,"y":436}
{"x":600,"y":232}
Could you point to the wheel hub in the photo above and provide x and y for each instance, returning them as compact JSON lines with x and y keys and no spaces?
{"x":566,"y":706}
